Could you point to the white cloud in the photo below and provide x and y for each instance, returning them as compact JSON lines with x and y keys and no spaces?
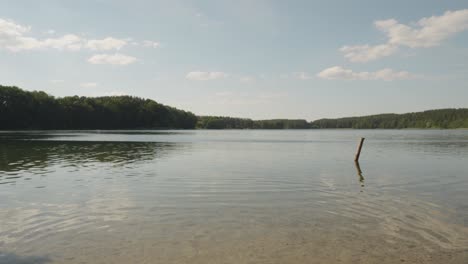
{"x":151,"y":44}
{"x":364,"y":53}
{"x":108,"y":43}
{"x":205,"y":76}
{"x":88,"y":84}
{"x":427,"y":32}
{"x":67,"y":42}
{"x":112,"y":59}
{"x":15,"y":38}
{"x":12,"y":38}
{"x":340,"y":73}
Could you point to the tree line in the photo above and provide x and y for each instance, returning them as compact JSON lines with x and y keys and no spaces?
{"x":21,"y":109}
{"x":222,"y":122}
{"x":438,"y":119}
{"x":432,"y":119}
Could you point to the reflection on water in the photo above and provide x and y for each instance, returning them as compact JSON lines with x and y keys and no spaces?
{"x":359,"y":173}
{"x":17,"y":156}
{"x":233,"y":197}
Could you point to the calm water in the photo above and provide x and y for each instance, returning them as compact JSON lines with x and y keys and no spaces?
{"x":234,"y":197}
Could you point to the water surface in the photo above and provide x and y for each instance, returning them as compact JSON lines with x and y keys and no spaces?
{"x":234,"y":196}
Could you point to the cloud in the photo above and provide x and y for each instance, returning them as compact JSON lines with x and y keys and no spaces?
{"x":340,"y":73}
{"x":108,"y":43}
{"x":67,"y":42}
{"x":88,"y":84}
{"x":427,"y":32}
{"x":12,"y":38}
{"x":15,"y":38}
{"x":112,"y":59}
{"x":151,"y":44}
{"x":57,"y":81}
{"x":205,"y":76}
{"x":364,"y":53}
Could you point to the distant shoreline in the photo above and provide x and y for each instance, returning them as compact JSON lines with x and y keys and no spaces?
{"x":24,"y":110}
{"x":223,"y":129}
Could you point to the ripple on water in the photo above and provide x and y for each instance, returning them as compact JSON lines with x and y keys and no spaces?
{"x":227,"y":202}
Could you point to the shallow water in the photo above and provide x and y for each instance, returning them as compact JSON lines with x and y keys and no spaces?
{"x":250,"y":196}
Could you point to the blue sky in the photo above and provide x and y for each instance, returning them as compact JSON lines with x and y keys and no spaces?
{"x":258,"y":59}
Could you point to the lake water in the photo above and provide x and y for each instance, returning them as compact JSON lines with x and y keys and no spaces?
{"x":234,"y":196}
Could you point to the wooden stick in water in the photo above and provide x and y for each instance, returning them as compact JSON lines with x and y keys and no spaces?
{"x":358,"y":153}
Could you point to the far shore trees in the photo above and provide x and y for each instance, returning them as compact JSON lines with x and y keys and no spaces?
{"x":20,"y":109}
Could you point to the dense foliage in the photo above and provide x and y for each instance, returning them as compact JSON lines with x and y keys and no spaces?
{"x":220,"y":122}
{"x":21,"y":109}
{"x":442,"y":118}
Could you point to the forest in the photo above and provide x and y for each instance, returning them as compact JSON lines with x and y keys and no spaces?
{"x":435,"y":119}
{"x":432,"y":119}
{"x":220,"y":122}
{"x":20,"y":109}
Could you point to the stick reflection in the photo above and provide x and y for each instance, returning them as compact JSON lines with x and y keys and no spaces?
{"x":359,"y":172}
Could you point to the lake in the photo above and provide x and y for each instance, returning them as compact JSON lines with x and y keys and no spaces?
{"x":234,"y":196}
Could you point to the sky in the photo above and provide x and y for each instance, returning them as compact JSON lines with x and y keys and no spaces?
{"x":256,"y":59}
